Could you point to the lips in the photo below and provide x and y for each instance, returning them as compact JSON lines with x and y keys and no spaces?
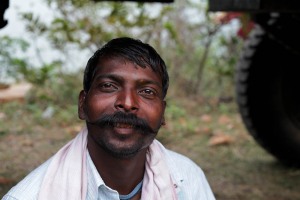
{"x":123,"y":125}
{"x":124,"y":129}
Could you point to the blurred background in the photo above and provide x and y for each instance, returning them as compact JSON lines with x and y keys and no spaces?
{"x":43,"y":52}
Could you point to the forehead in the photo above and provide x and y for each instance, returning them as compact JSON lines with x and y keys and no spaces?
{"x":126,"y":69}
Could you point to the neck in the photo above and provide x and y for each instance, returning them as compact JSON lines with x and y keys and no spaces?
{"x":119,"y":174}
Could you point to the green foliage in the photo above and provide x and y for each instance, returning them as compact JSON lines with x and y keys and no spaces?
{"x":39,"y":76}
{"x":35,"y":26}
{"x":61,"y":91}
{"x":174,"y":111}
{"x":171,"y":29}
{"x":200,"y":58}
{"x":9,"y":58}
{"x":20,"y":68}
{"x":59,"y":96}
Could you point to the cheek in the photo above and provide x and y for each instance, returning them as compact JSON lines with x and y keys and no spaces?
{"x":155,"y":115}
{"x":97,"y":105}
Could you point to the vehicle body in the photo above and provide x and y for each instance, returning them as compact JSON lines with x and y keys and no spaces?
{"x":3,"y":6}
{"x":267,"y":75}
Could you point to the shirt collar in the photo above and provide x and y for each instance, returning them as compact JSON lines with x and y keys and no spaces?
{"x":93,"y":174}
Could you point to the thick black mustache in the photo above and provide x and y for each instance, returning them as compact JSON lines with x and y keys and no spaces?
{"x":111,"y":120}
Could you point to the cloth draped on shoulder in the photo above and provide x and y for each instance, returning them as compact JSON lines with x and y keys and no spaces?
{"x":66,"y":176}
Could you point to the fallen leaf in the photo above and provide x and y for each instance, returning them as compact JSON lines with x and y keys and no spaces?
{"x":5,"y":181}
{"x":203,"y":130}
{"x":220,"y":139}
{"x":2,"y":115}
{"x":74,"y":130}
{"x":224,"y":119}
{"x":206,"y":118}
{"x":27,"y":142}
{"x":182,"y":121}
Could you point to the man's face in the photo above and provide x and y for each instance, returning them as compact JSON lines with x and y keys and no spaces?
{"x":124,"y":107}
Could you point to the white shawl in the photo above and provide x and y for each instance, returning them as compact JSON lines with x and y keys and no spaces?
{"x":66,"y":176}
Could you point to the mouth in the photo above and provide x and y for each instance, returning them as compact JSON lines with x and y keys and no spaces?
{"x":124,"y":129}
{"x":123,"y":125}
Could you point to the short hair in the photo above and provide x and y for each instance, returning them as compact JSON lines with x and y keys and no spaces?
{"x":132,"y":50}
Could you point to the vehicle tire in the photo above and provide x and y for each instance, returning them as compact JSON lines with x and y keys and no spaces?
{"x":268,"y":95}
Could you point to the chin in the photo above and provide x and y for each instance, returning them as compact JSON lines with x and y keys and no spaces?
{"x":125,"y":149}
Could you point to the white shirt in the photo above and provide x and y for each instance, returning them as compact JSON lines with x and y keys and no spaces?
{"x":190,"y":181}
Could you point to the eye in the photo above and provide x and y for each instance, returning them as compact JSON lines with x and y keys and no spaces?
{"x":108,"y":87}
{"x":149,"y":93}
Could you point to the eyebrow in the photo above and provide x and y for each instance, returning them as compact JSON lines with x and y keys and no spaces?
{"x":120,"y":79}
{"x":114,"y":77}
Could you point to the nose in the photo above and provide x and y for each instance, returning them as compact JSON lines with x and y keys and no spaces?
{"x":127,"y":101}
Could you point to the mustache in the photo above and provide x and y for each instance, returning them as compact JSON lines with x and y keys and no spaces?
{"x":111,"y":120}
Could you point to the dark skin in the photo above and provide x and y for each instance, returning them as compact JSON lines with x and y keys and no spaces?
{"x":120,"y":85}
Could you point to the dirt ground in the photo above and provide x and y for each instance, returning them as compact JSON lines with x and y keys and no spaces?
{"x":235,"y":166}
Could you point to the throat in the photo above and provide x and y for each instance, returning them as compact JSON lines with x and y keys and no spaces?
{"x":133,"y":193}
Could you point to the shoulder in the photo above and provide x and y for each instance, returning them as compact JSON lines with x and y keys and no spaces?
{"x":181,"y":165}
{"x":28,"y":188}
{"x":188,"y":176}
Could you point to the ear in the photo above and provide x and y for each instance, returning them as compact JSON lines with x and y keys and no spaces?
{"x":163,"y":120}
{"x":81,"y":103}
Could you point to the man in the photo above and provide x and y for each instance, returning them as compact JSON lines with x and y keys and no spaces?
{"x":117,"y":156}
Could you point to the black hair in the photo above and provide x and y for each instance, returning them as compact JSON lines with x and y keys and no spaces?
{"x":132,"y":50}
